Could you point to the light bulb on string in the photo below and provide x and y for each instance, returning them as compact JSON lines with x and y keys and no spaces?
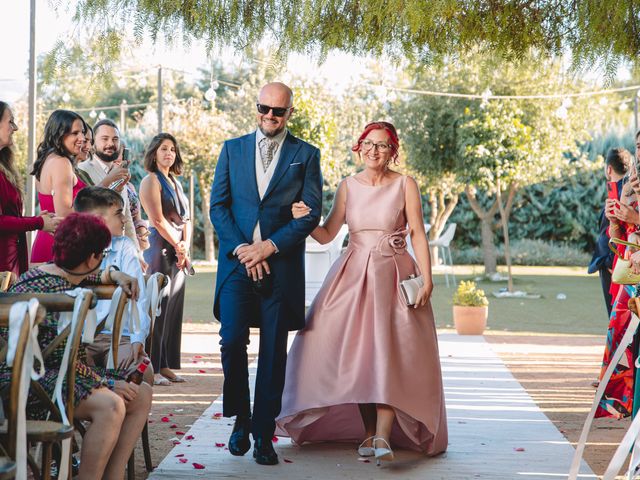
{"x":623,"y":106}
{"x":66,"y":97}
{"x":210,"y":95}
{"x":142,"y":82}
{"x":562,"y":112}
{"x":122,"y":82}
{"x":93,"y":114}
{"x":603,"y":101}
{"x":567,"y":103}
{"x":101,"y":116}
{"x":215,"y":84}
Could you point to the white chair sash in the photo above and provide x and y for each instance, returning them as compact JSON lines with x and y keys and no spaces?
{"x":627,"y":338}
{"x":32,"y":349}
{"x":64,"y":320}
{"x":155,"y":295}
{"x":115,"y":299}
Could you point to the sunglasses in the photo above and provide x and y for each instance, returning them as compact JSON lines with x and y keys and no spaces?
{"x":277,"y":111}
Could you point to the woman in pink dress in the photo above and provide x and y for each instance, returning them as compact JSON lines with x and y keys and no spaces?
{"x":366,"y":366}
{"x":54,"y":169}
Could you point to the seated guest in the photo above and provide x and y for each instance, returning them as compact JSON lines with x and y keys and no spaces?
{"x":121,"y":254}
{"x":116,"y":409}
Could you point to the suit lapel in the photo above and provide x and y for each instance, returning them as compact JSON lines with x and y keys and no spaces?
{"x":248,"y":159}
{"x":289,"y":149}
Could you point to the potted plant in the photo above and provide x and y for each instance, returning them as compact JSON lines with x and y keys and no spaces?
{"x":470,"y":309}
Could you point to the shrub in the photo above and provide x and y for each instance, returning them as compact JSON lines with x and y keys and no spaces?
{"x":528,"y":252}
{"x":469,"y":295}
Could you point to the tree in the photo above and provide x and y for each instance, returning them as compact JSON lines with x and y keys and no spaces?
{"x":421,"y":30}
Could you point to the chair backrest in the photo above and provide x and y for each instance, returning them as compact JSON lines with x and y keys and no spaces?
{"x":6,"y":280}
{"x":58,"y":302}
{"x":105,"y":292}
{"x":447,"y":235}
{"x":16,"y":371}
{"x":162,"y":282}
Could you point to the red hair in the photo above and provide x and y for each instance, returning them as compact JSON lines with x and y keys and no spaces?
{"x":391,"y":131}
{"x":77,"y":237}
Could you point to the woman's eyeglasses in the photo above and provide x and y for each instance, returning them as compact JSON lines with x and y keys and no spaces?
{"x":367,"y":145}
{"x":277,"y":111}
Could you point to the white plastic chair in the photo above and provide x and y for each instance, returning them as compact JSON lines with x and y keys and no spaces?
{"x":318,"y":260}
{"x":443,"y":243}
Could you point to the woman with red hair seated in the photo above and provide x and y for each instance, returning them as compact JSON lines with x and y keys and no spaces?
{"x":116,"y":409}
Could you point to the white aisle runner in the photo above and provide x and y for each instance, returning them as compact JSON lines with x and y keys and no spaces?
{"x":496,"y":431}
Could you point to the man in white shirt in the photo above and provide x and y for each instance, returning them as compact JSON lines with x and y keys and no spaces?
{"x":122,"y":254}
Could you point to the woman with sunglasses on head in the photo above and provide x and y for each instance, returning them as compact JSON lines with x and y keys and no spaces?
{"x":13,"y":226}
{"x":117,"y":410}
{"x":56,"y":181}
{"x":379,"y":378}
{"x":167,"y":208}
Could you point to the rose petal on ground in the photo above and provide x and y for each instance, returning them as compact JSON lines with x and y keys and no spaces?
{"x":197,"y":356}
{"x":519,"y":449}
{"x":274,"y":439}
{"x":202,"y":371}
{"x":171,"y":414}
{"x":217,"y":416}
{"x":179,"y":433}
{"x":176,"y":442}
{"x":286,"y":460}
{"x":165,"y":419}
{"x":183,"y":460}
{"x":364,"y":460}
{"x":150,"y":421}
{"x":198,"y":466}
{"x":219,"y":445}
{"x":180,"y":455}
{"x":189,"y":437}
{"x":173,"y":426}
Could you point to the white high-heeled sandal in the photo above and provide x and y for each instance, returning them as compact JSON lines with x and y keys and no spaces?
{"x":367,"y":451}
{"x":383,"y":453}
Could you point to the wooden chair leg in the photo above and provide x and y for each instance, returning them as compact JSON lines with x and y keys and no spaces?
{"x":131,"y":467}
{"x":45,"y":471}
{"x":33,"y":465}
{"x":146,"y":449}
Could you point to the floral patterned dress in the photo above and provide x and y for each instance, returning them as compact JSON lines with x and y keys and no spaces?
{"x":87,"y":378}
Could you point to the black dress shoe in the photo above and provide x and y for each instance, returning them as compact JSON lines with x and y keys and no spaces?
{"x":239,"y":443}
{"x":263,"y":451}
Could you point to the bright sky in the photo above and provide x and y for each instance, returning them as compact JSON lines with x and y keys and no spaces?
{"x":51,"y":26}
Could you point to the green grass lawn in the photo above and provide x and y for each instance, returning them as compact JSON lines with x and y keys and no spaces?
{"x":582,"y":312}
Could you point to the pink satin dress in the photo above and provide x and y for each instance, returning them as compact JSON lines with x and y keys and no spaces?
{"x":42,"y":249}
{"x":361,"y":343}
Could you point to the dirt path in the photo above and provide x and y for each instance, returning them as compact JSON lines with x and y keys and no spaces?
{"x":555,"y":370}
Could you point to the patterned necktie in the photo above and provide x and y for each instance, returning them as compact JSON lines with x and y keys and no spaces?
{"x":267,"y":148}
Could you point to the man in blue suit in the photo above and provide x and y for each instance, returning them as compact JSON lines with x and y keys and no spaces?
{"x":260,"y":280}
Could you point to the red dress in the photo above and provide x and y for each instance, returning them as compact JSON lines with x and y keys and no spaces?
{"x":13,"y":228}
{"x":42,"y":250}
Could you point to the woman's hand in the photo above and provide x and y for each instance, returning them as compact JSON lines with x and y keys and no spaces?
{"x":300,"y":209}
{"x":424,"y":294}
{"x":634,"y":183}
{"x":609,"y":211}
{"x":129,"y":284}
{"x":635,"y":262}
{"x":50,"y":221}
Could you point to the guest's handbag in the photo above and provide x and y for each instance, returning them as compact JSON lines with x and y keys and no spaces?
{"x":410,"y":288}
{"x":622,"y":273}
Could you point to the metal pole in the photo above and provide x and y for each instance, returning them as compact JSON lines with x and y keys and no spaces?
{"x":159,"y":98}
{"x":30,"y":200}
{"x":123,"y":119}
{"x":635,"y":111}
{"x":192,"y":199}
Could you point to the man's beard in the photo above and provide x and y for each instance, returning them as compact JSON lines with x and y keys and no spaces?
{"x":107,"y":158}
{"x":271,"y":134}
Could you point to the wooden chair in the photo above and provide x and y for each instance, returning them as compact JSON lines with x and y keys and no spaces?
{"x":6,"y":280}
{"x":9,"y":429}
{"x":162,"y":280}
{"x":52,"y":432}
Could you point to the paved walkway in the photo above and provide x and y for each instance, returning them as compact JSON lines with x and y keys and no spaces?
{"x":496,"y":431}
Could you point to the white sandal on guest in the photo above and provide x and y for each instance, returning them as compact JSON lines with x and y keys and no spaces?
{"x":367,"y":451}
{"x":384,"y":453}
{"x":161,"y":381}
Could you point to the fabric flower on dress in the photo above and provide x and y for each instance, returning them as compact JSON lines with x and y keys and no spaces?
{"x":392,"y":244}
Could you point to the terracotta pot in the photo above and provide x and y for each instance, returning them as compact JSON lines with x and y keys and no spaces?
{"x":470,"y":320}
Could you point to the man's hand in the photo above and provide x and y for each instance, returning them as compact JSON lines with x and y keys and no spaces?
{"x":259,"y":271}
{"x":252,"y":255}
{"x":116,"y":173}
{"x":634,"y":182}
{"x":610,"y":210}
{"x":127,"y":390}
{"x":626,"y":214}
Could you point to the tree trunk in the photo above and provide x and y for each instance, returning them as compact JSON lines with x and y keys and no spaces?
{"x":489,"y":253}
{"x":209,"y":246}
{"x":505,"y":213}
{"x":440,"y":211}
